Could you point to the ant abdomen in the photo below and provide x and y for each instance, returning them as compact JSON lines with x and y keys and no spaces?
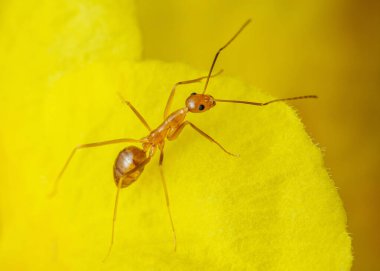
{"x":128,"y":159}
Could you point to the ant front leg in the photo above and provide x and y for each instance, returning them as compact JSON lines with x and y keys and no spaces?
{"x":173,"y":134}
{"x":171,"y":96}
{"x":140,"y":117}
{"x":90,"y":145}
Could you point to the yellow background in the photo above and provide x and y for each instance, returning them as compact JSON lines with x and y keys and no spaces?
{"x":330,"y":48}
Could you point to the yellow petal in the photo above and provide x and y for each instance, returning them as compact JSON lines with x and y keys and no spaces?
{"x":273,"y":208}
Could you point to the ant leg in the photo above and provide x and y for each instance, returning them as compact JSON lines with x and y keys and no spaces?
{"x":141,"y":118}
{"x":175,"y":133}
{"x":170,"y":100}
{"x":114,"y":217}
{"x":120,"y":182}
{"x":89,"y":145}
{"x":167,"y":197}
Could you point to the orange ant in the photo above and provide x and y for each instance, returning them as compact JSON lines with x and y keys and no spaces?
{"x":131,"y":161}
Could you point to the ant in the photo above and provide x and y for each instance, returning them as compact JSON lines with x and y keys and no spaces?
{"x":131,"y":161}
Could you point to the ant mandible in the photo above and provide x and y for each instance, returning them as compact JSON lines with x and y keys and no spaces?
{"x":131,"y":161}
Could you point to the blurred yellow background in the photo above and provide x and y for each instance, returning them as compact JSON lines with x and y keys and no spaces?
{"x":328,"y":48}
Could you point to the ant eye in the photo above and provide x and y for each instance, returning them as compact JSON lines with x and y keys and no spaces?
{"x":193,"y":93}
{"x":201,"y":107}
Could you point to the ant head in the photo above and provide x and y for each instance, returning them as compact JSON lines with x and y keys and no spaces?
{"x":199,"y":103}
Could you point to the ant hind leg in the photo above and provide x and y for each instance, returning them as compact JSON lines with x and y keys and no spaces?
{"x":167,"y":197}
{"x":119,"y":186}
{"x":89,"y":145}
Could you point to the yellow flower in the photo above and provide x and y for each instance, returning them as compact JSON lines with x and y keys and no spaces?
{"x":62,"y":63}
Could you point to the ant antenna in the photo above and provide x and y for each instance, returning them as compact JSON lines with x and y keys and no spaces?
{"x":266,"y":103}
{"x":217,"y":54}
